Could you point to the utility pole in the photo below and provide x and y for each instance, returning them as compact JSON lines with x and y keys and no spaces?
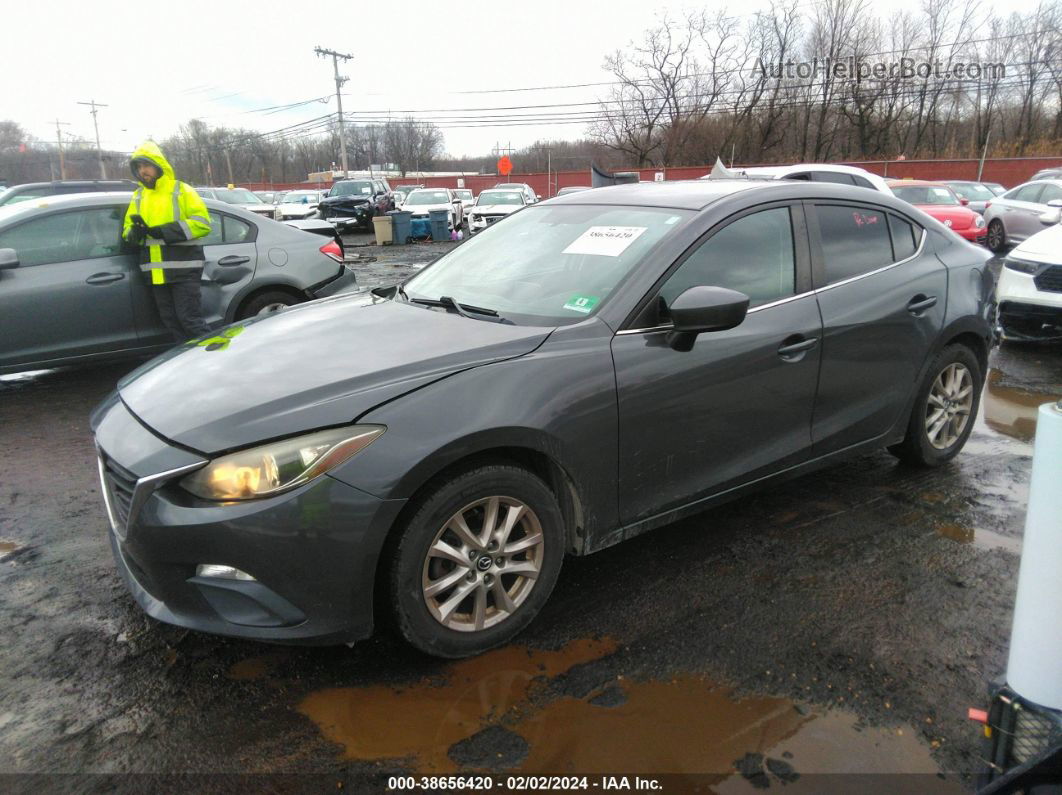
{"x":339,"y":98}
{"x":59,"y":140}
{"x":99,"y":151}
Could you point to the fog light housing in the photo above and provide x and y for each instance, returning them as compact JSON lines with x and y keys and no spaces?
{"x":223,"y":572}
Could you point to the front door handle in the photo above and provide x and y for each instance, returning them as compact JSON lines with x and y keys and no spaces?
{"x":104,"y":278}
{"x":793,"y":351}
{"x":920,"y":303}
{"x":232,"y":259}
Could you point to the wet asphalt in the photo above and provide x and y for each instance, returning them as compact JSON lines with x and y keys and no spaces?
{"x":840,"y":623}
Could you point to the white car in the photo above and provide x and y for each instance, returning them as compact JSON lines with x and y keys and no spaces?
{"x":523,"y":187}
{"x":467,"y":199}
{"x":816,"y":172}
{"x":423,"y":200}
{"x":1029,"y":291}
{"x":297,"y":205}
{"x":493,"y":205}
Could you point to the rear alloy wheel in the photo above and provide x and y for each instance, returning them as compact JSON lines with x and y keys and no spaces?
{"x":477,"y":561}
{"x":944,"y":411}
{"x":997,"y":236}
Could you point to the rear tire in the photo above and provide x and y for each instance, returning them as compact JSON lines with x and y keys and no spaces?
{"x":944,"y":409}
{"x":265,"y":303}
{"x":450,"y":597}
{"x":997,"y":237}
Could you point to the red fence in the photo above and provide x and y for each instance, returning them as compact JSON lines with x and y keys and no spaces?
{"x":1009,"y":171}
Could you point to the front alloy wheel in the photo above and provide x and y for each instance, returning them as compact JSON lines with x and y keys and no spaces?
{"x":476,"y":560}
{"x":483,"y":564}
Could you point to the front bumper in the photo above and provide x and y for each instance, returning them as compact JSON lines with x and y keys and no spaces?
{"x":974,"y":235}
{"x":1023,"y":310}
{"x":312,"y":551}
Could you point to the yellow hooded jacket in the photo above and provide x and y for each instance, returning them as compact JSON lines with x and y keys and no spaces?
{"x":178,"y":213}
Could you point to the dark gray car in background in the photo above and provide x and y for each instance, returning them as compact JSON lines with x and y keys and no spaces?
{"x":71,"y":292}
{"x":591,"y":368}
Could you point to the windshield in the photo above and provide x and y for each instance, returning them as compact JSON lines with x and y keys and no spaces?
{"x":352,"y":188}
{"x":973,"y":191}
{"x":925,"y":194}
{"x":428,"y":197}
{"x":301,"y":197}
{"x":237,"y":196}
{"x":548,"y":265}
{"x":463,"y":194}
{"x":500,"y":197}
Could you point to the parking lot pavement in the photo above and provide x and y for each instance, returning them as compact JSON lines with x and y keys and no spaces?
{"x":843,"y":621}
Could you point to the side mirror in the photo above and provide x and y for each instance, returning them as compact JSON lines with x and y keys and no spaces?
{"x":8,"y":259}
{"x":964,"y":202}
{"x":702,"y":309}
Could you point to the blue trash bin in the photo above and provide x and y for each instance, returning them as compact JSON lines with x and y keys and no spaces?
{"x":440,"y":225}
{"x":420,"y":229}
{"x":400,"y":226}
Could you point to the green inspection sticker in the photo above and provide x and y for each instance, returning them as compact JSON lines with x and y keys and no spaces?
{"x":582,"y":303}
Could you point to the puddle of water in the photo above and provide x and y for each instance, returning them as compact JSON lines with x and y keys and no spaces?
{"x":7,"y":547}
{"x":685,"y":726}
{"x":254,"y":668}
{"x":421,"y":721}
{"x":980,"y":538}
{"x":1010,"y":410}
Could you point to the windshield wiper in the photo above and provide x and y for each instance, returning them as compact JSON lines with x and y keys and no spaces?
{"x":447,"y":302}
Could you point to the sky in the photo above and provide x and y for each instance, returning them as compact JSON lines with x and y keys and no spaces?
{"x":157,"y":66}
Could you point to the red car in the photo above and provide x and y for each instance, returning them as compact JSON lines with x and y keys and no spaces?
{"x":941,"y":202}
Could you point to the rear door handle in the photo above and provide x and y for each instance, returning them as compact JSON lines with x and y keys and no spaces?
{"x":920,"y":303}
{"x":232,"y":259}
{"x":795,"y":349}
{"x":104,"y":278}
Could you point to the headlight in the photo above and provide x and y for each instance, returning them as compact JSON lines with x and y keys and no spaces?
{"x":278,"y":466}
{"x":1021,"y":266}
{"x":980,"y":222}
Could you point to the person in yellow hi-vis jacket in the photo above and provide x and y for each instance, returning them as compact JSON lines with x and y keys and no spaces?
{"x":165,"y":218}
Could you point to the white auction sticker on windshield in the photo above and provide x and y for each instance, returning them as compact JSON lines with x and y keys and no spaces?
{"x":605,"y":241}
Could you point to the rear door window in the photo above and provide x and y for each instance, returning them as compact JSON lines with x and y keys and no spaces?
{"x":1026,"y":193}
{"x":855,"y":240}
{"x":1050,"y":193}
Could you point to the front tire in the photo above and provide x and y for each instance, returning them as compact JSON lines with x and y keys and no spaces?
{"x":997,"y":236}
{"x":944,"y":410}
{"x":476,"y":561}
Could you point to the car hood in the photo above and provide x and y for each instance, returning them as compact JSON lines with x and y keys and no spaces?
{"x":495,"y":209}
{"x":1044,"y":246}
{"x":960,"y":217}
{"x":312,"y":366}
{"x":344,"y":201}
{"x":423,"y":209}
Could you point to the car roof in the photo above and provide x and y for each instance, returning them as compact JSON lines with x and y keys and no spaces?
{"x":899,"y":183}
{"x":696,"y":194}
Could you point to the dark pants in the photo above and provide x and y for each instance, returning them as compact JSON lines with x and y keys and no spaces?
{"x":179,"y":307}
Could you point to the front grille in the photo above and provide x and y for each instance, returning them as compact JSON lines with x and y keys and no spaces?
{"x":121,"y":483}
{"x":1032,"y":735}
{"x":1050,"y":281}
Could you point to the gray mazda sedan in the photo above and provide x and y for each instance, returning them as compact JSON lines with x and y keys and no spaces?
{"x":591,"y":368}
